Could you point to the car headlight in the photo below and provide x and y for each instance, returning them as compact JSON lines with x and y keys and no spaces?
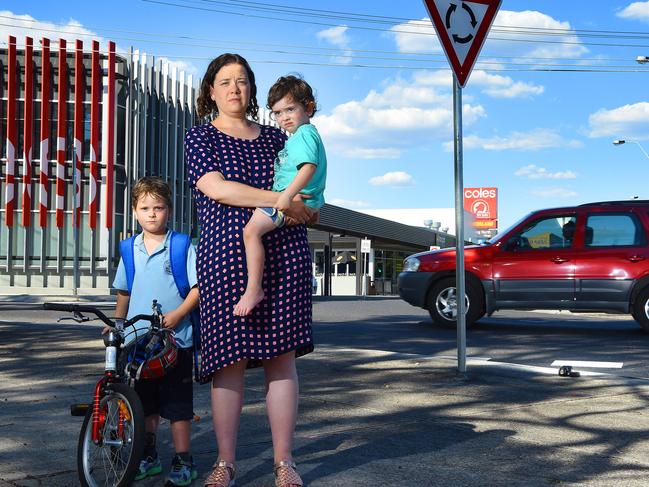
{"x":411,"y":264}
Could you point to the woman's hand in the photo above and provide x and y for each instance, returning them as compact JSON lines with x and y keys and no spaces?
{"x":283,"y":202}
{"x":298,"y":212}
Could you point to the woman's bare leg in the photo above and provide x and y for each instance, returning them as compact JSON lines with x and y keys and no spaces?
{"x":227,"y":402}
{"x":282,"y":390}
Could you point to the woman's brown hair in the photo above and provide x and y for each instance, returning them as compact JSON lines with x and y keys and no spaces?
{"x":205,"y":105}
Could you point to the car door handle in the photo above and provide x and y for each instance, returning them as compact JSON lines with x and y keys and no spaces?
{"x":559,"y":260}
{"x":636,"y":258}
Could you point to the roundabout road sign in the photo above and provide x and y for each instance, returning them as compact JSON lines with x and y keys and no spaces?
{"x":462,"y":27}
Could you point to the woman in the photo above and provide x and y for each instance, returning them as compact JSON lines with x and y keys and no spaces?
{"x":231,"y":170}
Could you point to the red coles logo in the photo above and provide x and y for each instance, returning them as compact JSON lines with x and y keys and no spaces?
{"x":482,"y":203}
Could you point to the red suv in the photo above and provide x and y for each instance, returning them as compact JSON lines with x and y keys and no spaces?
{"x":592,"y":257}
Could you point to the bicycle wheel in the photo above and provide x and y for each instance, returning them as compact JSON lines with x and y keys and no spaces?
{"x":114,"y":460}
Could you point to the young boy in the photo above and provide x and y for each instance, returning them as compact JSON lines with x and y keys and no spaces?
{"x":172,"y":396}
{"x":301,"y":167}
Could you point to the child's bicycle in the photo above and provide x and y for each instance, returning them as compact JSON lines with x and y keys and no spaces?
{"x":111,"y":441}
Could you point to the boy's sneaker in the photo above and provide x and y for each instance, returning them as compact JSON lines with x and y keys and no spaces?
{"x":182,"y":472}
{"x":148,"y":468}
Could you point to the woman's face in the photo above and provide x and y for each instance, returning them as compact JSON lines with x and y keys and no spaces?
{"x":231,"y":89}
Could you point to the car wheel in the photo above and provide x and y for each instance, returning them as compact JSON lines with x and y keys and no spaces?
{"x":640,"y":310}
{"x":442,"y":303}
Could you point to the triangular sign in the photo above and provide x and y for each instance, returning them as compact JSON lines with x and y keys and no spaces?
{"x":462,"y":27}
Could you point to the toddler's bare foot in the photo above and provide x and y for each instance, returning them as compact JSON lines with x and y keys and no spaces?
{"x":248,"y":301}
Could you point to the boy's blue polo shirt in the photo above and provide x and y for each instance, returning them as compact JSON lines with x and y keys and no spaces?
{"x":153,"y":280}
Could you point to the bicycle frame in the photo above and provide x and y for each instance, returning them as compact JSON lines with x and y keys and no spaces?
{"x":110,"y":375}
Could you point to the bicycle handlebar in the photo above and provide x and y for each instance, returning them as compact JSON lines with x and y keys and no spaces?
{"x":74,"y":308}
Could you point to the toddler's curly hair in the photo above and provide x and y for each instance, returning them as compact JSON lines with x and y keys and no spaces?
{"x":294,"y":86}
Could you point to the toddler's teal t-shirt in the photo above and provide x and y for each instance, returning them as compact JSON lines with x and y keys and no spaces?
{"x":304,"y":146}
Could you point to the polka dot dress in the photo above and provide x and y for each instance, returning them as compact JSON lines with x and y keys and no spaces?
{"x":282,"y":321}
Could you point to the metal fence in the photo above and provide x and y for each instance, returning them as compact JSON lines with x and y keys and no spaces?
{"x":79,"y":127}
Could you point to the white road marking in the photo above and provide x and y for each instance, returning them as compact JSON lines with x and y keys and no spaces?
{"x":588,"y":363}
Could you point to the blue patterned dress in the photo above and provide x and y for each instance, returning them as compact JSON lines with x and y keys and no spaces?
{"x":282,"y":321}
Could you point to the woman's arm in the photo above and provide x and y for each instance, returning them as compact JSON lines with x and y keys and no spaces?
{"x":215,"y":186}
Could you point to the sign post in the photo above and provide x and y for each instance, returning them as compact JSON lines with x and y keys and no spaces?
{"x":366,"y":247}
{"x":462,"y":27}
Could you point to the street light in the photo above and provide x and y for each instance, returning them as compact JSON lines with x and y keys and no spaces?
{"x":622,"y":141}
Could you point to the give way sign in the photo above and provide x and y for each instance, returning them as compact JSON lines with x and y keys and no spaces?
{"x":462,"y":27}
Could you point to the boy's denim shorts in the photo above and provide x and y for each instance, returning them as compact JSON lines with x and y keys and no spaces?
{"x":172,"y":397}
{"x":276,"y":216}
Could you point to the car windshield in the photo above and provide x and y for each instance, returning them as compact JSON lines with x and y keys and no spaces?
{"x":500,"y":235}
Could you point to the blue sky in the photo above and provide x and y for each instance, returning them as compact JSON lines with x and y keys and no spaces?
{"x":544,"y":138}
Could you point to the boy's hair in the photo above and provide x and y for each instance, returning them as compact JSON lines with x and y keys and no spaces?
{"x":154,"y":186}
{"x":294,"y":86}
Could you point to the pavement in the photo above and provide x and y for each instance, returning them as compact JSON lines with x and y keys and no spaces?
{"x":367,"y":417}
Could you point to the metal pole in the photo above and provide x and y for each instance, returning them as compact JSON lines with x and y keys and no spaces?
{"x":459,"y":227}
{"x":75,"y":226}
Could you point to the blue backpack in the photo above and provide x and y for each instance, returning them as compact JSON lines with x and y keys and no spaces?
{"x":178,"y":249}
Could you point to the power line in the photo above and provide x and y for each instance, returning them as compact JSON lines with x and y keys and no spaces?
{"x":485,"y":64}
{"x":360,"y":17}
{"x":532,"y":68}
{"x":356,"y":17}
{"x":393,"y":30}
{"x":491,"y":64}
{"x":162,"y":39}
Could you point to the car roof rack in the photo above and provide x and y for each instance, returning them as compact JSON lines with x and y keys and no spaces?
{"x":618,"y":203}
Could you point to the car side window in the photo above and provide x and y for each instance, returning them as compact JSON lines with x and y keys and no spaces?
{"x":613,"y":230}
{"x":555,"y":232}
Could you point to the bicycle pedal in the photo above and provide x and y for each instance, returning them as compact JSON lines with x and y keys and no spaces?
{"x":79,"y":409}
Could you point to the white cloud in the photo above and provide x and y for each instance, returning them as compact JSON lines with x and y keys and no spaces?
{"x":532,"y":171}
{"x":635,"y":11}
{"x":27,"y":26}
{"x":554,"y":193}
{"x":349,"y":203}
{"x":396,"y":178}
{"x":514,"y":21}
{"x":335,"y":35}
{"x":419,"y":36}
{"x":628,"y":121}
{"x":494,"y":85}
{"x":416,"y":36}
{"x":404,"y":114}
{"x":498,"y":86}
{"x":338,"y":37}
{"x":536,"y":139}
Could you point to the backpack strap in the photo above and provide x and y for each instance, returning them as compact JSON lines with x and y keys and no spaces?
{"x":127,"y":252}
{"x":178,"y":248}
{"x":179,"y":244}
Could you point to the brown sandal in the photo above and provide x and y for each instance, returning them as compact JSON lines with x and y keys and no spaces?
{"x":286,"y":475}
{"x":222,"y":475}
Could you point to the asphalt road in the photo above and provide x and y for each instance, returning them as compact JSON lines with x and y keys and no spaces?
{"x":378,"y":405}
{"x":530,"y":338}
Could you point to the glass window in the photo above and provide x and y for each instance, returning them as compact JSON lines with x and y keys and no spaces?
{"x":613,"y":230}
{"x":552,"y":232}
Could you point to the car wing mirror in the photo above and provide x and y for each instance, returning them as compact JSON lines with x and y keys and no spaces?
{"x":513,"y":244}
